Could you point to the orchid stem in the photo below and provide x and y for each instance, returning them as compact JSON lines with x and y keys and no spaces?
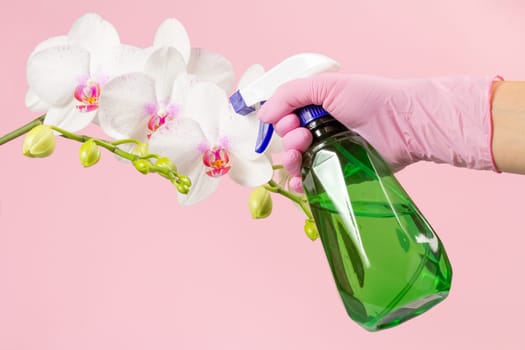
{"x":113,"y":147}
{"x":110,"y":146}
{"x":21,"y":130}
{"x":274,"y":187}
{"x":182,"y":182}
{"x":124,"y":141}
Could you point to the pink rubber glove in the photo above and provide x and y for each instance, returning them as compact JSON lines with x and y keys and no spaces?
{"x":445,"y":120}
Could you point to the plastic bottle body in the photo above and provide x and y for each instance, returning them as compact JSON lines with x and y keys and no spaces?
{"x":387,"y":262}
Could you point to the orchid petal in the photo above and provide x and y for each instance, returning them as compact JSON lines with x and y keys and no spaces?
{"x":181,"y":86}
{"x":276,"y":145}
{"x":171,"y":33}
{"x":124,"y":59}
{"x":68,"y":117}
{"x":210,"y":66}
{"x":55,"y":115}
{"x":250,"y":173}
{"x":202,"y":186}
{"x":93,"y":33}
{"x":123,"y":106}
{"x":164,"y":65}
{"x":206,"y":103}
{"x":242,"y":132}
{"x":251,"y":74}
{"x":54,"y":73}
{"x":181,"y":141}
{"x":51,"y":42}
{"x":35,"y":103}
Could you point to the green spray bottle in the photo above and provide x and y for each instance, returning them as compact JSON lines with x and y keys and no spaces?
{"x":388,"y":264}
{"x":387,"y":261}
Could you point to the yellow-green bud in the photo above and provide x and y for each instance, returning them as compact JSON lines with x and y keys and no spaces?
{"x":185,"y":180}
{"x":166,"y":163}
{"x":89,"y":153}
{"x":310,"y":229}
{"x":39,"y":142}
{"x":142,"y":165}
{"x":140,"y":150}
{"x":260,"y":203}
{"x":181,"y":187}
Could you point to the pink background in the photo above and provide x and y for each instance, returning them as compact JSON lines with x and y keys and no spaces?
{"x":105,"y":258}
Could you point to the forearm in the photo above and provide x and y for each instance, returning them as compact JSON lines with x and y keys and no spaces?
{"x":508,"y":115}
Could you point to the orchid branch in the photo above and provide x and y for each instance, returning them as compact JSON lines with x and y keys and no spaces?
{"x":260,"y":202}
{"x":141,"y":160}
{"x":21,"y":130}
{"x":274,"y":187}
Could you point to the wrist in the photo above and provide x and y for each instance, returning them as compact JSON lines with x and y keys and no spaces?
{"x":508,"y":113}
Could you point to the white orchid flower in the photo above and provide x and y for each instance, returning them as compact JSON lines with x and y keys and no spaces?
{"x":201,"y":63}
{"x":66,"y":74}
{"x":189,"y":121}
{"x":185,"y":119}
{"x":135,"y":105}
{"x":210,"y":140}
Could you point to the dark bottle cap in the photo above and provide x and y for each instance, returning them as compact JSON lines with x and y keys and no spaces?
{"x":310,"y":113}
{"x":306,"y":115}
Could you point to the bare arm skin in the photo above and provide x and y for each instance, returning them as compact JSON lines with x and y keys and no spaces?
{"x":508,"y":114}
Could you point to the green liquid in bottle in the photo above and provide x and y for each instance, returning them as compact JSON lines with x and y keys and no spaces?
{"x":387,"y":262}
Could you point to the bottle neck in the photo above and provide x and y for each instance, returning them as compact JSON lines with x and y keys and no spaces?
{"x":324,"y":127}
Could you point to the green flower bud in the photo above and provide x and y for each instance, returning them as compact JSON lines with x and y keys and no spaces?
{"x":142,"y":165}
{"x":166,"y":163}
{"x":140,"y":150}
{"x":310,"y":229}
{"x":89,"y":153}
{"x":260,"y":203}
{"x":181,"y":187}
{"x":185,"y":180}
{"x":39,"y":142}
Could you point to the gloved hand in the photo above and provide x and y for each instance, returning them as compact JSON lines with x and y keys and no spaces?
{"x":445,"y":120}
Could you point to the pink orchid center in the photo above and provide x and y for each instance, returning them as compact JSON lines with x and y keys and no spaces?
{"x":158,"y":116}
{"x":217,"y":161}
{"x":88,"y":94}
{"x":158,"y":119}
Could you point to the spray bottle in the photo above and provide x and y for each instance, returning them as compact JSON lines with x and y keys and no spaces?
{"x":387,"y":262}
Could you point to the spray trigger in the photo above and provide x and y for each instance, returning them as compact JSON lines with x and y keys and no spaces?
{"x":294,"y":67}
{"x":263,"y":137}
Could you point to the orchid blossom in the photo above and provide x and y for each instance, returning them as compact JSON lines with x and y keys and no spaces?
{"x":135,"y":105}
{"x":168,"y":72}
{"x":202,"y":64}
{"x":210,"y":140}
{"x":66,"y":74}
{"x":188,"y":120}
{"x":166,"y":107}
